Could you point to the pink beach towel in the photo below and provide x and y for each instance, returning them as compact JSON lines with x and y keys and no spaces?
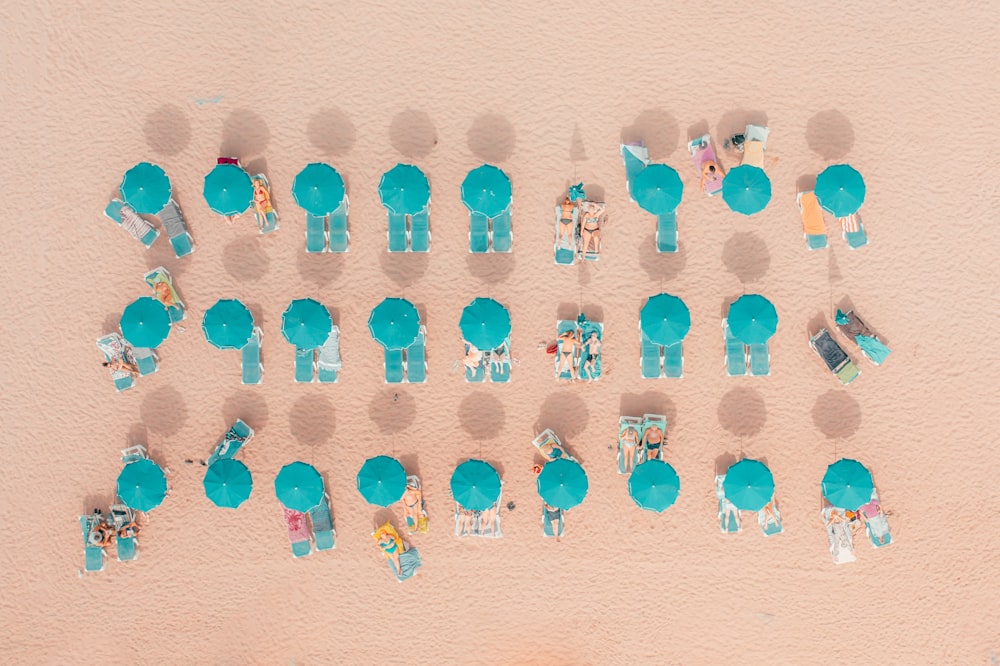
{"x":298,"y":526}
{"x":707,"y":154}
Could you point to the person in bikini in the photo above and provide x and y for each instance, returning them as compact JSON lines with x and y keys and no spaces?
{"x":120,"y":365}
{"x":710,"y":173}
{"x":591,"y":351}
{"x":566,"y":221}
{"x":590,"y":228}
{"x":390,"y":547}
{"x":769,"y":514}
{"x":628,"y":440}
{"x":412,"y":505}
{"x":567,"y":352}
{"x":466,"y":520}
{"x":261,"y":202}
{"x":473,"y":357}
{"x":652,"y":442}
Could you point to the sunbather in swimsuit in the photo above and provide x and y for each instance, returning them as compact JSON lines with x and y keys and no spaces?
{"x":590,"y":230}
{"x":566,"y":222}
{"x":593,"y":350}
{"x":652,"y":439}
{"x":567,"y":351}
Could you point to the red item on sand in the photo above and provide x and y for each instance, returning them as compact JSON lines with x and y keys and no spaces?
{"x":552,"y":349}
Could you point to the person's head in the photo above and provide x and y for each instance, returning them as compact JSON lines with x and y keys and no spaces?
{"x":593,"y":335}
{"x":105,"y":364}
{"x":711,"y":169}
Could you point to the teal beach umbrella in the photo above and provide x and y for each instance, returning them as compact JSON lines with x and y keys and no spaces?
{"x":752,"y":319}
{"x":840,"y":190}
{"x":306,"y":323}
{"x":228,"y":324}
{"x":749,"y":485}
{"x":654,"y":485}
{"x":848,"y":484}
{"x":381,"y":480}
{"x":485,"y":323}
{"x":404,"y":189}
{"x":318,"y":188}
{"x":228,"y":189}
{"x":665,"y":319}
{"x":299,"y":486}
{"x":475,"y":485}
{"x":142,"y":485}
{"x":746,"y":189}
{"x":563,"y":483}
{"x":394,"y":323}
{"x":145,"y":188}
{"x":486,"y":190}
{"x":145,"y":323}
{"x":228,"y":483}
{"x":658,"y":189}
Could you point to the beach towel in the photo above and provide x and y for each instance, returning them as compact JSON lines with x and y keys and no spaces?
{"x":812,"y":214}
{"x":850,"y":224}
{"x":135,"y":225}
{"x":703,"y":156}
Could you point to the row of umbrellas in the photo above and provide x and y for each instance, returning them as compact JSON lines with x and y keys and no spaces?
{"x":318,"y":188}
{"x":395,"y":322}
{"x":840,"y":189}
{"x":475,"y":484}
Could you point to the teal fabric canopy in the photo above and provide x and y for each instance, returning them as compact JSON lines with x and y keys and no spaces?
{"x":394,"y":323}
{"x":848,"y":484}
{"x":228,"y":324}
{"x":485,"y":323}
{"x":746,"y":189}
{"x":840,"y":190}
{"x":381,"y":480}
{"x":486,"y":190}
{"x":145,"y":323}
{"x":654,"y":485}
{"x":749,"y":485}
{"x":299,"y":486}
{"x":752,"y":319}
{"x":563,"y":483}
{"x":142,"y":485}
{"x":318,"y":188}
{"x":228,"y":189}
{"x":658,"y":189}
{"x":665,"y":319}
{"x":404,"y":189}
{"x":145,"y":188}
{"x":228,"y":483}
{"x":306,"y":323}
{"x":475,"y":485}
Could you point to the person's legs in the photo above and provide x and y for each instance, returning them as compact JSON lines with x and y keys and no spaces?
{"x":629,"y":453}
{"x":566,"y":230}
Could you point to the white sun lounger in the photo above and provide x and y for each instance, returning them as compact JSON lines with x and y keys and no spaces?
{"x":729,"y":515}
{"x":839,"y":536}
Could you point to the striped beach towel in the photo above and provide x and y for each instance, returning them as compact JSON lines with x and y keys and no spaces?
{"x":134,"y":224}
{"x":851,"y":224}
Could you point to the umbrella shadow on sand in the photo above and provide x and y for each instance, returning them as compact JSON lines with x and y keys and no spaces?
{"x":490,"y":268}
{"x":482,"y":415}
{"x":565,"y":412}
{"x":392,"y":410}
{"x":320,"y":268}
{"x":164,"y":411}
{"x":244,"y":259}
{"x":167,"y":130}
{"x":246,"y":404}
{"x":836,"y":414}
{"x":491,"y":138}
{"x":648,"y":402}
{"x":404,"y":268}
{"x":244,"y":135}
{"x":661,"y":266}
{"x":742,"y":412}
{"x":830,"y":134}
{"x":736,"y":121}
{"x":413,"y":134}
{"x":657,"y":130}
{"x":746,"y":256}
{"x":331,"y":131}
{"x":312,"y":420}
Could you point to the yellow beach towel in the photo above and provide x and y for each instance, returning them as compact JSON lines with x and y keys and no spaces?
{"x":391,"y":531}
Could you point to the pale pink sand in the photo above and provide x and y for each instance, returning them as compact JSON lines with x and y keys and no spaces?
{"x":88,"y":90}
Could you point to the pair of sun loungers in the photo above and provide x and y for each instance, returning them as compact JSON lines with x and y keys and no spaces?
{"x":328,"y":233}
{"x":743,"y":359}
{"x":658,"y":361}
{"x":856,"y":330}
{"x":582,"y":353}
{"x":589,"y":213}
{"x":114,"y":348}
{"x":322,"y":364}
{"x":409,"y":364}
{"x":312,"y":529}
{"x":493,"y":366}
{"x":126,"y":545}
{"x":640,"y":453}
{"x":479,"y":523}
{"x":840,"y":534}
{"x":636,"y":158}
{"x":490,"y":234}
{"x":410,"y":233}
{"x":730,"y":519}
{"x":814,"y":226}
{"x":140,"y":229}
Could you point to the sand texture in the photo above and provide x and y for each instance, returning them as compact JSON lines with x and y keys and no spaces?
{"x":908,"y":95}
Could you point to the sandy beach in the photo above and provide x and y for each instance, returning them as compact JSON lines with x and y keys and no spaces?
{"x":547,"y":93}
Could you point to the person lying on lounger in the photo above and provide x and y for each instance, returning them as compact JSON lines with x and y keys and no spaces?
{"x":652,"y":441}
{"x":872,"y":512}
{"x":590,"y":228}
{"x":101,"y":533}
{"x":590,"y":351}
{"x":412,"y":505}
{"x":710,"y":173}
{"x":261,"y":201}
{"x":387,"y":542}
{"x":120,"y":365}
{"x":473,"y":357}
{"x":128,"y":530}
{"x":466,"y":520}
{"x":566,"y":222}
{"x":567,"y":352}
{"x":769,"y":514}
{"x":629,"y":439}
{"x":499,"y":357}
{"x":550,"y":449}
{"x":164,"y":294}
